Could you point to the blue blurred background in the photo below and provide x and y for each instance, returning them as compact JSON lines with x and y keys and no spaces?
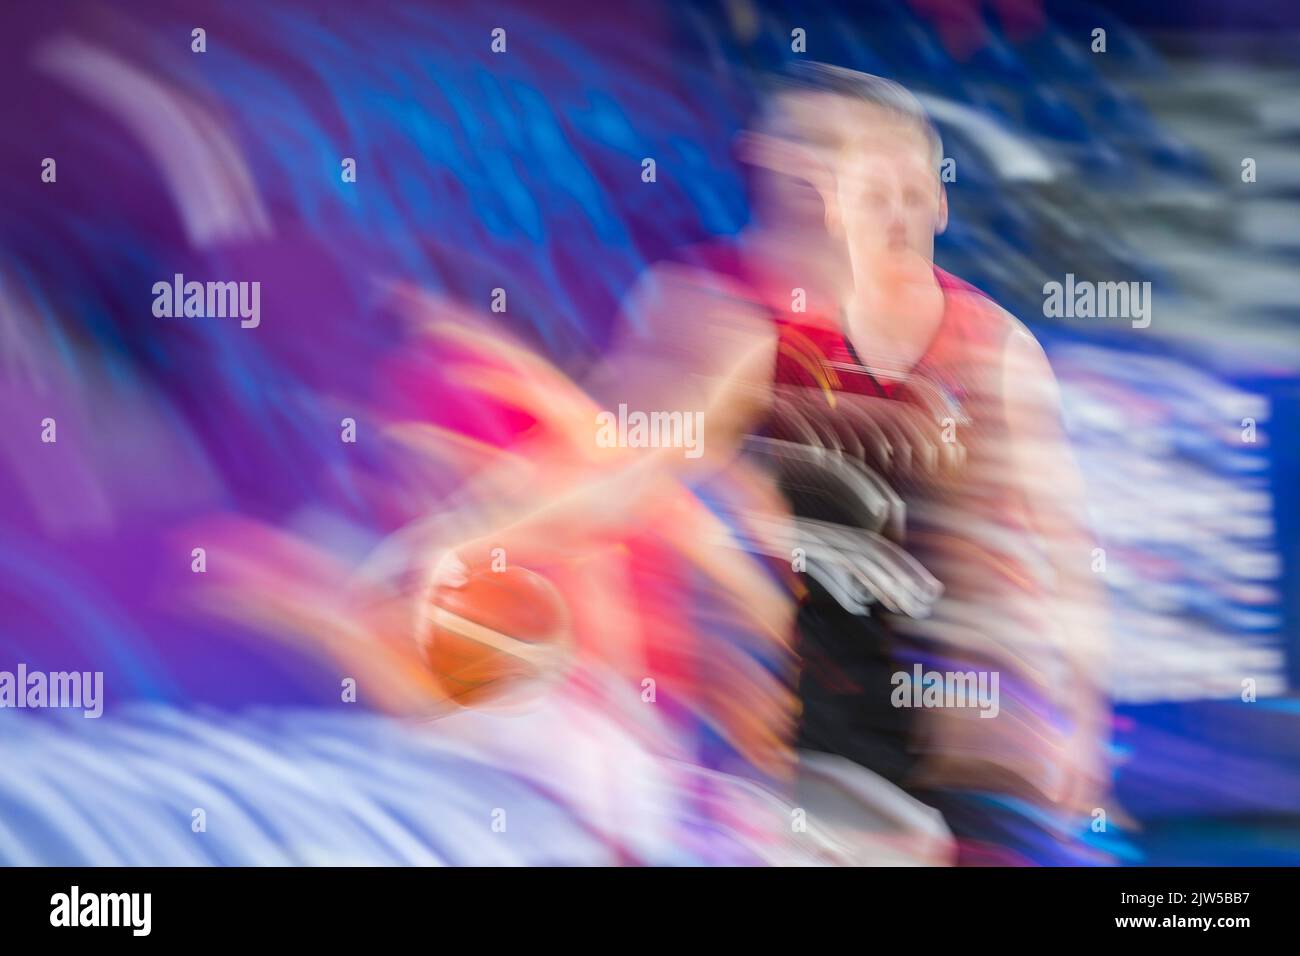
{"x":1122,"y":164}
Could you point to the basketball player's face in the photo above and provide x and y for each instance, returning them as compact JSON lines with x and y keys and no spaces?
{"x":852,"y":184}
{"x":887,"y":203}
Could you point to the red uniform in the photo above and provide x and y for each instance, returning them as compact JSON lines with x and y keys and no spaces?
{"x":971,"y":529}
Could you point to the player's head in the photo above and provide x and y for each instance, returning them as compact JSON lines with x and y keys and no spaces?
{"x":867,"y":150}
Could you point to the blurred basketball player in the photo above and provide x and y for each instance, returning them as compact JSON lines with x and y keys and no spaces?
{"x":832,"y":296}
{"x":883,"y":347}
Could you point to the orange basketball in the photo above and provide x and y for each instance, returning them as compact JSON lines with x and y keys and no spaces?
{"x":498,"y":635}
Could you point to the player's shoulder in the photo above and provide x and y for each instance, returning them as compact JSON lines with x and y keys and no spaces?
{"x":983,"y":317}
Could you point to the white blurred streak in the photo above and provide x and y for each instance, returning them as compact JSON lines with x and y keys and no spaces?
{"x":1014,"y":158}
{"x":288,"y":787}
{"x":869,"y":821}
{"x":207,"y":176}
{"x":295,"y":787}
{"x":1193,"y":564}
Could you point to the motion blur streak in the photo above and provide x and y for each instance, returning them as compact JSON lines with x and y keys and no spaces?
{"x":203,"y":168}
{"x":490,"y":346}
{"x":293,"y":787}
